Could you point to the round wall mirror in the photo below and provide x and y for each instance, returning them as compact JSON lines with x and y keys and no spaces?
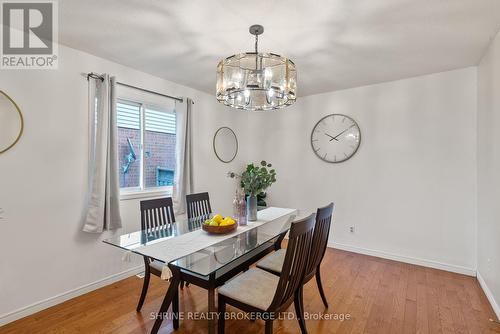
{"x":225,"y":144}
{"x":11,"y":123}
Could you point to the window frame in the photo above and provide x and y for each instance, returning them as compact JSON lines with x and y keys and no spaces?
{"x":142,"y":192}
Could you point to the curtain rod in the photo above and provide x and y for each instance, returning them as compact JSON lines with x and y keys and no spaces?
{"x":98,"y":77}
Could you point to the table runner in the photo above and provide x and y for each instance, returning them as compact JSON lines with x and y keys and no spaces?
{"x":183,"y":245}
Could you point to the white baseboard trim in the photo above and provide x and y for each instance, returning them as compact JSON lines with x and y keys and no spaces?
{"x":412,"y":260}
{"x":489,"y":295}
{"x":43,"y":304}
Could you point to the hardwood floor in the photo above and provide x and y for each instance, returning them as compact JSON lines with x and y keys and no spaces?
{"x":380,"y":296}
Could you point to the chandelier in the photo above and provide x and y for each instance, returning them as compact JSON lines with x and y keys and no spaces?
{"x":256,"y":81}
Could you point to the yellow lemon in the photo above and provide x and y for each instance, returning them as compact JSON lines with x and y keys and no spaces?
{"x":218,"y":218}
{"x":213,"y":223}
{"x":227,"y":221}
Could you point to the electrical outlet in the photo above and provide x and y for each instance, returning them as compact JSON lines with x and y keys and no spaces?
{"x":351,"y":229}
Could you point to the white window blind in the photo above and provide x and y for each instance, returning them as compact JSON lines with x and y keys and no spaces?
{"x":128,"y":115}
{"x":159,"y":121}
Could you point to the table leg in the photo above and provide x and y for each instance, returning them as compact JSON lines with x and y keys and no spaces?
{"x":169,"y":297}
{"x":175,"y":310}
{"x":277,"y":244}
{"x":212,"y":316}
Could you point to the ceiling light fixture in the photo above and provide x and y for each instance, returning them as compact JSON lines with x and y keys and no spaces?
{"x":256,"y":81}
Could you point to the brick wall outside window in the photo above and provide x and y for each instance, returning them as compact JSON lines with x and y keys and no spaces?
{"x":159,"y":149}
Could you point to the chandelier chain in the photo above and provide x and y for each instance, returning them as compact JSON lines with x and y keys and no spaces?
{"x":256,"y":51}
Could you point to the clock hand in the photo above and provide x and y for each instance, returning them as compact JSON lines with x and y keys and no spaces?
{"x":331,"y":137}
{"x":342,"y":133}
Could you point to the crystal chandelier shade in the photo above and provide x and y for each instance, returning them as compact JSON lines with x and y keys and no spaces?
{"x":256,"y":81}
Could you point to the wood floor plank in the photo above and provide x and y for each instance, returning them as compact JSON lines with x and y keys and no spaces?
{"x":410,"y":320}
{"x":397,"y":323}
{"x":358,"y":298}
{"x":422,"y":314}
{"x":379,"y":296}
{"x":432,"y":292}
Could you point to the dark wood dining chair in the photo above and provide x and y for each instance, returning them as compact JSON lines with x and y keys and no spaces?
{"x":198,"y":206}
{"x":198,"y":210}
{"x":263,"y":294}
{"x":273,"y":262}
{"x":156,"y":215}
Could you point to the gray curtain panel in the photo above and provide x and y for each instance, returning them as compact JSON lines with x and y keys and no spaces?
{"x":184,"y":171}
{"x":102,"y":210}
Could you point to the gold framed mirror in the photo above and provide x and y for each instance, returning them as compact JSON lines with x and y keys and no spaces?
{"x":11,"y":122}
{"x":225,"y":144}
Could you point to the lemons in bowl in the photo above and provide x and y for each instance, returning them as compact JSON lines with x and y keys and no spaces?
{"x":218,"y":220}
{"x":227,"y":222}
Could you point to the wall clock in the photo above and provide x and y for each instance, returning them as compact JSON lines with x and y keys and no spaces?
{"x":335,"y":138}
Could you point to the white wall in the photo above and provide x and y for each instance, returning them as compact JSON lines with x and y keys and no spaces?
{"x":488,"y":173}
{"x":409,"y":190}
{"x":42,"y":180}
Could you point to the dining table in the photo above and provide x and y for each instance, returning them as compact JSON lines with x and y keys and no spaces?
{"x":207,"y":260}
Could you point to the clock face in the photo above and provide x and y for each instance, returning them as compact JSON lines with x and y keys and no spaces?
{"x":335,"y":138}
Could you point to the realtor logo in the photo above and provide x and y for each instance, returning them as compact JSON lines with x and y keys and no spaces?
{"x":29,"y":35}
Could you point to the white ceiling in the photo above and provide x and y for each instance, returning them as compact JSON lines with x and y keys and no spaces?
{"x":336,"y":44}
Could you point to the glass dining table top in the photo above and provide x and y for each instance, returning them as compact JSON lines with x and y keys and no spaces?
{"x":207,"y":260}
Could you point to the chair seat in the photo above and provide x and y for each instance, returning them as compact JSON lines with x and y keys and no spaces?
{"x":273,"y":262}
{"x":156,"y":267}
{"x":255,"y":287}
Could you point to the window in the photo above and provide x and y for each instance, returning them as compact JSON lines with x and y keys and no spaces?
{"x":146,"y":146}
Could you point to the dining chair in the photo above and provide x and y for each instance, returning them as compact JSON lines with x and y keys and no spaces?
{"x":273,"y":262}
{"x":198,"y":209}
{"x":156,"y":214}
{"x":198,"y":206}
{"x":259,"y":292}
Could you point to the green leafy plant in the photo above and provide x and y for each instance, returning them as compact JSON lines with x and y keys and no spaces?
{"x":256,"y":178}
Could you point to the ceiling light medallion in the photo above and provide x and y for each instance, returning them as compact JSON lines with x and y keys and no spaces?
{"x":256,"y":81}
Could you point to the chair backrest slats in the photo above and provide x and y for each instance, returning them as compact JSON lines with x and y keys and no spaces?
{"x":156,"y":214}
{"x":294,"y":265}
{"x":320,"y":238}
{"x":198,"y":205}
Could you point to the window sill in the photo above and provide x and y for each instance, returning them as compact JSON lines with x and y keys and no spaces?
{"x":135,"y":194}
